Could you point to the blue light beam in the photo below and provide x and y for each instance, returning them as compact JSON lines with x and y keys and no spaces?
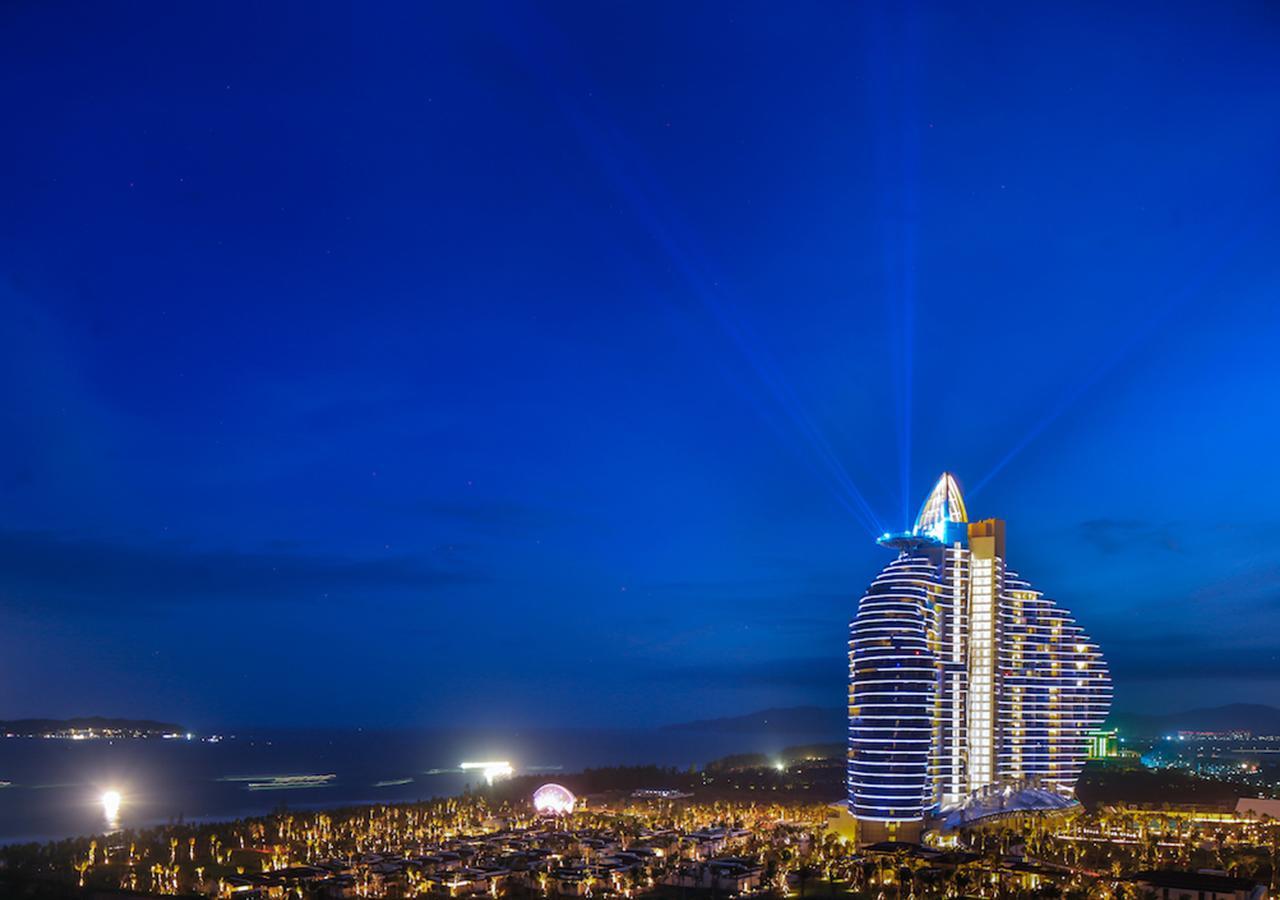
{"x":1137,"y":336}
{"x":535,"y":42}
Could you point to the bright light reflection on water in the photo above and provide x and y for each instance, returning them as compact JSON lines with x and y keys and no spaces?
{"x":111,"y":809}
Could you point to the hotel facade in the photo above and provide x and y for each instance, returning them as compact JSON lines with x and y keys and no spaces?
{"x":968,"y":688}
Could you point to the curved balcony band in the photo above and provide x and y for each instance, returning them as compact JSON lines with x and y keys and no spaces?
{"x":962,"y":676}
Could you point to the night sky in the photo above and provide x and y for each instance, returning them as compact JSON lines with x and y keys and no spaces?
{"x":456,"y":363}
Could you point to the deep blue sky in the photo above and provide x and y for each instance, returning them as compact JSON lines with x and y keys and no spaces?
{"x":406,"y":365}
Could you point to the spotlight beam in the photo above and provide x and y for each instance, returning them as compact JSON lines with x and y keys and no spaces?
{"x":893,"y":71}
{"x":1136,"y":337}
{"x":849,"y":496}
{"x":628,"y":177}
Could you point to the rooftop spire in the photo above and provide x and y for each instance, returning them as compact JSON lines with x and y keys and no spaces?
{"x":945,"y":504}
{"x":942,"y":520}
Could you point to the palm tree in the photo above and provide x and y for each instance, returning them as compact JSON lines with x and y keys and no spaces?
{"x":804,"y":872}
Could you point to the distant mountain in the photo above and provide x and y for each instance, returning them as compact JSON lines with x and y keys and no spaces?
{"x":821,"y":720}
{"x":37,"y":727}
{"x":1252,"y":717}
{"x":811,"y":720}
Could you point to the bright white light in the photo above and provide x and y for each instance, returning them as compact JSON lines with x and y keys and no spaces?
{"x":780,"y":766}
{"x":111,"y":808}
{"x":491,"y":769}
{"x":554,"y":800}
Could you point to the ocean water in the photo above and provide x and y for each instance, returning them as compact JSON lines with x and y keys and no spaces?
{"x":55,"y":787}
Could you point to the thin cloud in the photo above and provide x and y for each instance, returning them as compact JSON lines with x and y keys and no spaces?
{"x":1184,"y":657}
{"x":1112,"y":536}
{"x":43,"y":571}
{"x":500,"y":519}
{"x":802,"y":673}
{"x":1258,"y":586}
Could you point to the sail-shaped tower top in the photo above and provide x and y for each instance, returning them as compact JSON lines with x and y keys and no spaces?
{"x":942,"y":518}
{"x":944,"y":504}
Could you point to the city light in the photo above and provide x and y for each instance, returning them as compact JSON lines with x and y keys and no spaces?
{"x":491,"y":769}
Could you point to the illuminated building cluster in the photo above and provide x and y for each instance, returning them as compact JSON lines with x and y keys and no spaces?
{"x":722,"y":841}
{"x":963,"y":679}
{"x":465,"y":846}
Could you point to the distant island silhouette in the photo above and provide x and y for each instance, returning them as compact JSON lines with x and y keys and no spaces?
{"x":85,"y":724}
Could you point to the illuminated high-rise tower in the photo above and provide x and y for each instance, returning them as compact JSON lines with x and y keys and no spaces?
{"x":963,"y":679}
